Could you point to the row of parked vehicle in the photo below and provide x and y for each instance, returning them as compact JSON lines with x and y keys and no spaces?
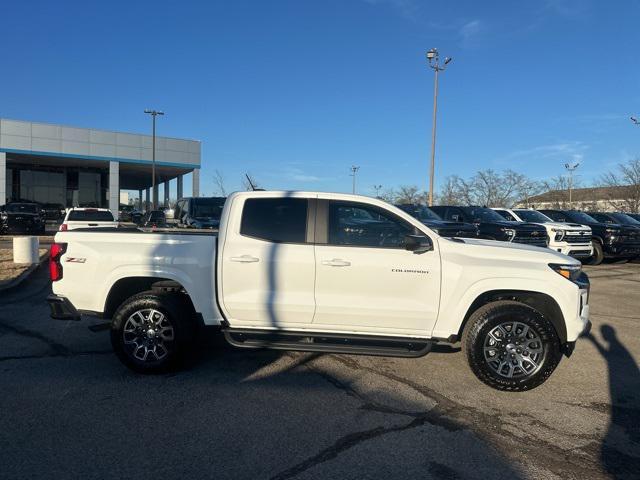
{"x":591,"y":237}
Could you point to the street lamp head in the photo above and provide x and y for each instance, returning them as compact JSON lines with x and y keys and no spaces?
{"x":447,"y":60}
{"x":432,"y":53}
{"x":635,"y":120}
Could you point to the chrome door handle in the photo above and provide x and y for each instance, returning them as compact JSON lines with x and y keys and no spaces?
{"x":336,"y":262}
{"x":245,"y":259}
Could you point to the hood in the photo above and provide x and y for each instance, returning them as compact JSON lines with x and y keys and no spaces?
{"x":566,"y":226}
{"x":509,"y":251}
{"x":448,"y":224}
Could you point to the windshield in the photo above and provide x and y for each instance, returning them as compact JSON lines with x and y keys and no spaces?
{"x":420,"y":212}
{"x":533,"y":216}
{"x":22,"y":208}
{"x":625,"y":219}
{"x":483,"y":214}
{"x":208,"y":207}
{"x":581,"y":217}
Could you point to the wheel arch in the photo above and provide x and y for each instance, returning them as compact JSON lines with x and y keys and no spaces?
{"x":127,"y":287}
{"x":541,"y":302}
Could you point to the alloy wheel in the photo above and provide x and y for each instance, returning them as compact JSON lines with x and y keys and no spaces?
{"x":147,"y":335}
{"x":513,"y":350}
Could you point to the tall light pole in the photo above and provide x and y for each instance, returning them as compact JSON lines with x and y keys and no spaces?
{"x":570,"y":168}
{"x":434,"y":62}
{"x":354,"y":170}
{"x":154,"y":196}
{"x":377,"y":189}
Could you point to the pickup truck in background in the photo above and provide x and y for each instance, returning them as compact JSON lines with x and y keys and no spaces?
{"x":610,"y":240}
{"x":88,"y":218}
{"x":442,"y":227}
{"x":570,"y":239}
{"x":492,"y":226}
{"x":324,"y":272}
{"x":22,"y":217}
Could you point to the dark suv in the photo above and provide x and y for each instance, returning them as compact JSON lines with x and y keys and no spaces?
{"x":199,"y":212}
{"x":492,"y":226}
{"x":21,"y":217}
{"x":610,"y":240}
{"x":441,"y":227}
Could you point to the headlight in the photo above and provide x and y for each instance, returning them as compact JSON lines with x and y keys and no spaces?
{"x":559,"y":234}
{"x":510,"y":232}
{"x":570,"y":272}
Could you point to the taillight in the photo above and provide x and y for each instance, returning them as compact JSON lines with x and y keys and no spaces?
{"x":55,"y":265}
{"x":63,"y":227}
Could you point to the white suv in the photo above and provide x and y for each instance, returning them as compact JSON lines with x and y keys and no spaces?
{"x":568,"y":238}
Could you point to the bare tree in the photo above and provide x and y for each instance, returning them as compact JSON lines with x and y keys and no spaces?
{"x":624,"y":186}
{"x":558,"y":191}
{"x":454,"y":191}
{"x":493,"y":189}
{"x":218,"y":184}
{"x":409,"y":194}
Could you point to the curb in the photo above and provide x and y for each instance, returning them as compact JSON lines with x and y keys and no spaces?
{"x":8,"y":284}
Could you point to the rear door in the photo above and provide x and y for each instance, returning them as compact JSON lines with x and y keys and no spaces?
{"x":365,"y":279}
{"x":268,"y":263}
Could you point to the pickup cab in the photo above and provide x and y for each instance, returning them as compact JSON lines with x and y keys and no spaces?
{"x":324,"y":272}
{"x":88,"y":218}
{"x":570,"y":239}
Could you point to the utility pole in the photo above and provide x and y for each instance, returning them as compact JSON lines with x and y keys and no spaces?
{"x":377,"y":189}
{"x":434,"y":62}
{"x":354,"y":170}
{"x":570,"y":168}
{"x":154,"y":193}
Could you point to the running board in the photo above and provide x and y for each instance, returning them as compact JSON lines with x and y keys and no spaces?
{"x":328,"y":342}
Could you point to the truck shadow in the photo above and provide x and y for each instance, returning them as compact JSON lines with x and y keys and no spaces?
{"x":620,"y":450}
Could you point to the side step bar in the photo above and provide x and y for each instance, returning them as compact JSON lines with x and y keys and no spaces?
{"x":328,"y":342}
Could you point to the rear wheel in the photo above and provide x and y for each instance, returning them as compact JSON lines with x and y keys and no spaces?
{"x":511,"y":346}
{"x":152,"y":332}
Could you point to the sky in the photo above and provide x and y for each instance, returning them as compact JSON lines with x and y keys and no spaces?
{"x":296,"y":92}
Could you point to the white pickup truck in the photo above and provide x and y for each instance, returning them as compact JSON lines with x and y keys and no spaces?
{"x":77,"y":218}
{"x":324,"y":272}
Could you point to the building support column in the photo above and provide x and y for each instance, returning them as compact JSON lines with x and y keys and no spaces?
{"x":166,"y":193}
{"x":140,"y":200}
{"x":155,"y":196}
{"x":195,"y":188}
{"x":179,"y":192}
{"x":114,"y":188}
{"x":147,"y":205}
{"x":3,"y":178}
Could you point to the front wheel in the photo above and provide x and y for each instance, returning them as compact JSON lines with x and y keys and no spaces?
{"x":598,"y":254}
{"x":511,"y":346}
{"x":152,"y":332}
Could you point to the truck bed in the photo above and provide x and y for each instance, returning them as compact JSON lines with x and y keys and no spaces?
{"x":97,"y":259}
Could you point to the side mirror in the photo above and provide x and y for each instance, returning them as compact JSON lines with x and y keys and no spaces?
{"x":418,"y":244}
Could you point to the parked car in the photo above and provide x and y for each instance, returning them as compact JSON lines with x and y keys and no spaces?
{"x":153,"y":219}
{"x":635,"y":216}
{"x":129,"y":213}
{"x":568,"y":238}
{"x":610,"y":240}
{"x":168,"y":212}
{"x":88,"y":218}
{"x":287,"y":272}
{"x":199,"y":212}
{"x":492,"y":226}
{"x":53,"y":211}
{"x":441,"y":227}
{"x":615,"y":217}
{"x":21,"y":217}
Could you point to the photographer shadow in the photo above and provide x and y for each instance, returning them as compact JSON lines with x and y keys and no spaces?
{"x":620,"y":450}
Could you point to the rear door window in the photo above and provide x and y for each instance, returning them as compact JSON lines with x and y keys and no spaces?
{"x":278,"y":220}
{"x":90,"y":216}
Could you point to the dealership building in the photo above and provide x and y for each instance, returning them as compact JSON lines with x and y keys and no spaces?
{"x":73,"y":166}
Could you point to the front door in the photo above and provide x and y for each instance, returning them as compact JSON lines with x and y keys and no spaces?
{"x":366,"y":280}
{"x":268,"y":265}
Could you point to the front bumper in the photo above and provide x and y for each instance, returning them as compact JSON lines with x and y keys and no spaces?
{"x":61,"y":308}
{"x":576,"y":251}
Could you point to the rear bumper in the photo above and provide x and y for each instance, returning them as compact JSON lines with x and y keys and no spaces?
{"x":61,"y":308}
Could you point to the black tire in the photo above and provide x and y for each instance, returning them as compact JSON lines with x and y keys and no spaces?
{"x":485,"y":322}
{"x":598,"y":254}
{"x":173,"y":311}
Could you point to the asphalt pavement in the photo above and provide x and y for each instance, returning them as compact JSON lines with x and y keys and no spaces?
{"x":68,"y":408}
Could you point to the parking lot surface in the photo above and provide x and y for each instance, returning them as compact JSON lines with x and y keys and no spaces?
{"x":69,"y":408}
